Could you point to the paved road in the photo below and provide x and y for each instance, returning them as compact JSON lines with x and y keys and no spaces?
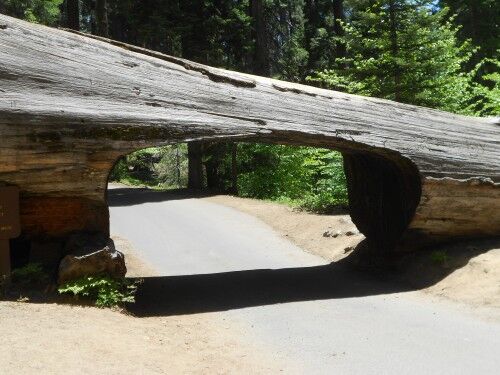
{"x":315,"y":317}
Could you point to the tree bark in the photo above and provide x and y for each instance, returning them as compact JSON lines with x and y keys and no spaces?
{"x":339,"y":15}
{"x":395,"y":48}
{"x":234,"y":168}
{"x":101,"y":15}
{"x":73,"y":14}
{"x":415,"y":175}
{"x":195,"y":165}
{"x":261,"y":60}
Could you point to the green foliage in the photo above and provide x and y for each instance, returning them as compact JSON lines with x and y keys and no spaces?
{"x":439,"y":257}
{"x":105,"y":291}
{"x":478,"y":21}
{"x":486,"y":88}
{"x":30,"y":274}
{"x":46,"y":12}
{"x":161,"y":167}
{"x":309,"y":177}
{"x":403,"y":52}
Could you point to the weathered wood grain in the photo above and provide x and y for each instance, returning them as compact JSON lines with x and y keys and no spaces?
{"x":70,"y":105}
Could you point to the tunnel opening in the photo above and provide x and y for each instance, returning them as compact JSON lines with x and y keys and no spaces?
{"x":383,"y":196}
{"x":305,"y":177}
{"x":379,"y":191}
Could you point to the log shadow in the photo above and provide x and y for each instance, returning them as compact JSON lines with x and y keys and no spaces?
{"x":358,"y":275}
{"x":178,"y":295}
{"x":121,"y":197}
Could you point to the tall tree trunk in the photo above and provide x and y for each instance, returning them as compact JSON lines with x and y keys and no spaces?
{"x":214,"y":153}
{"x":101,"y":18}
{"x":395,"y":48}
{"x":312,"y":24}
{"x":339,"y":15}
{"x":195,"y":166}
{"x":178,"y":165}
{"x":73,"y":14}
{"x":261,"y":63}
{"x":234,"y":168}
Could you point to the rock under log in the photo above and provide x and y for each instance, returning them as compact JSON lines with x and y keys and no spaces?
{"x":70,"y":105}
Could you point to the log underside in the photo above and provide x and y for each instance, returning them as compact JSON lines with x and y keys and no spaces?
{"x":71,"y":105}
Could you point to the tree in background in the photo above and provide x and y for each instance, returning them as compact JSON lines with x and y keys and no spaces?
{"x":46,"y":12}
{"x":324,"y":33}
{"x":401,"y":50}
{"x":308,"y":177}
{"x":101,"y":18}
{"x":72,"y":14}
{"x":479,"y":21}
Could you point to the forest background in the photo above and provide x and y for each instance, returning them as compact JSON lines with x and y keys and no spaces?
{"x":441,"y":54}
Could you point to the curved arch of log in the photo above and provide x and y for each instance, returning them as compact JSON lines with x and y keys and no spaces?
{"x":71,"y":104}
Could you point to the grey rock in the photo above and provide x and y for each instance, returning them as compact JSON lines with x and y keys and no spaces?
{"x":104,"y":260}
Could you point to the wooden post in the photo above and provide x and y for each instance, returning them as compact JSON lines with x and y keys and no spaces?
{"x":10,"y":226}
{"x":4,"y":258}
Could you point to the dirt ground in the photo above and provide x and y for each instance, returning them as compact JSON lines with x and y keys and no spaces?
{"x":86,"y":340}
{"x":81,"y":340}
{"x":469,"y":272}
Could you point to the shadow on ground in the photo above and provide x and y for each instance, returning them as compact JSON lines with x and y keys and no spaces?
{"x":356,"y":276}
{"x":130,"y":196}
{"x":125,"y":196}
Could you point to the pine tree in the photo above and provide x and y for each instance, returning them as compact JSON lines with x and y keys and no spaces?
{"x":402,"y":50}
{"x":479,"y":21}
{"x":46,"y":12}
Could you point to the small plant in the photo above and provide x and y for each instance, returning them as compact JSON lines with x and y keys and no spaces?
{"x":104,"y":290}
{"x":30,"y":274}
{"x":440,"y":257}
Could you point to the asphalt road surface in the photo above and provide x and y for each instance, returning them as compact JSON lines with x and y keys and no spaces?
{"x":314,"y":317}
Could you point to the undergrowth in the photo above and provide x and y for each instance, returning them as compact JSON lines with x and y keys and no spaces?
{"x":30,"y":274}
{"x":103,"y":290}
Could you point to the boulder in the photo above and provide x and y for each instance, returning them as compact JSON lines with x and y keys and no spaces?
{"x":104,"y":260}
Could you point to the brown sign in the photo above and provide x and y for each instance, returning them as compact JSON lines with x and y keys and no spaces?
{"x":10,"y":226}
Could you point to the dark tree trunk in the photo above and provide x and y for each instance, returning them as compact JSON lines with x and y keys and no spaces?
{"x":395,"y":48}
{"x":261,"y":61}
{"x":73,"y":14}
{"x":234,"y":168}
{"x":101,"y":18}
{"x":214,"y":152}
{"x":338,"y":13}
{"x":195,"y":166}
{"x":312,"y":22}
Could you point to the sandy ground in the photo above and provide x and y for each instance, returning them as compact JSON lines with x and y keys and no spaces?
{"x":470,"y":275}
{"x":86,"y":340}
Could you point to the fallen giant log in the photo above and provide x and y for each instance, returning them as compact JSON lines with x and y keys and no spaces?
{"x":71,"y":105}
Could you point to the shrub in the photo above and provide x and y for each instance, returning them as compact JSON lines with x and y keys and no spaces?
{"x":103,"y":290}
{"x":30,"y":274}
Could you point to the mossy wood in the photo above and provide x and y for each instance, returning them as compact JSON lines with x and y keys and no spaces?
{"x":71,"y":104}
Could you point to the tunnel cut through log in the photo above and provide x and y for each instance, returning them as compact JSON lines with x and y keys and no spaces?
{"x":70,"y":105}
{"x":383,"y":197}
